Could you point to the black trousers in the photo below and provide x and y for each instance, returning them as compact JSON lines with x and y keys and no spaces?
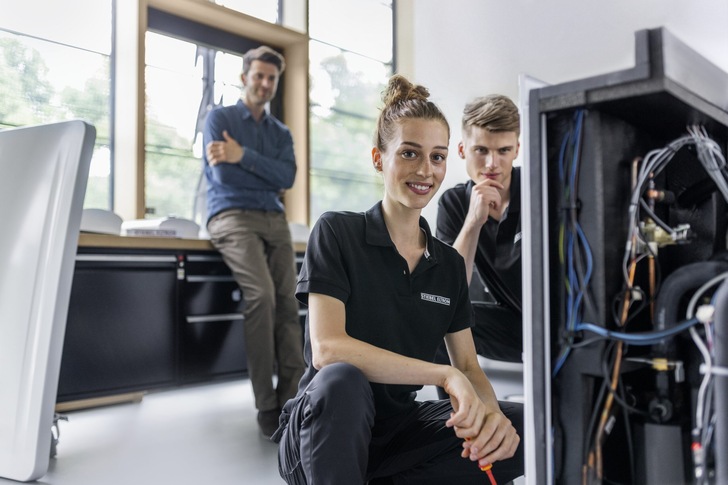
{"x":330,"y":435}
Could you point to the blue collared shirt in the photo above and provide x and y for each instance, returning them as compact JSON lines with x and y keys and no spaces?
{"x":267,"y":168}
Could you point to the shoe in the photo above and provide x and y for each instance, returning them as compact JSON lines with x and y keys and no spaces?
{"x":268,"y":421}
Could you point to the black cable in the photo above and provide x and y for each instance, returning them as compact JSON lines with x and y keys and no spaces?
{"x":615,"y":395}
{"x":630,"y":443}
{"x":585,"y":342}
{"x":633,"y":311}
{"x":588,"y":436}
{"x":654,"y":216}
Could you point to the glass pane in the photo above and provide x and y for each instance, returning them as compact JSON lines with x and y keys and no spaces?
{"x":342,"y":144}
{"x":37,"y":86}
{"x":175,"y":80}
{"x":228,"y":85}
{"x":173,"y":86}
{"x":345,"y":98}
{"x":364,"y":27}
{"x":81,"y":23}
{"x":263,"y":9}
{"x":345,"y":82}
{"x":173,"y":93}
{"x":342,"y":176}
{"x":335,"y":192}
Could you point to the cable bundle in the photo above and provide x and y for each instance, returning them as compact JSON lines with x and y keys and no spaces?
{"x":576,"y":265}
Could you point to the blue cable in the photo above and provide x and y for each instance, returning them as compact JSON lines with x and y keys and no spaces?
{"x":575,"y":291}
{"x":638,"y":338}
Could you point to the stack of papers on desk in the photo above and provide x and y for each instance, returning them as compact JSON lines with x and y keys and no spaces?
{"x":162,"y":227}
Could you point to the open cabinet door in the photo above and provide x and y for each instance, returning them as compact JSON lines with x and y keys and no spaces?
{"x":43,"y":175}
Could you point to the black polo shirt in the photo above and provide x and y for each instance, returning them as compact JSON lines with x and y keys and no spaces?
{"x":498,"y":256}
{"x":351,"y":257}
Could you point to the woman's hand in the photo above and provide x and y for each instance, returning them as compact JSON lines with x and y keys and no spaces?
{"x":488,"y":434}
{"x":497,"y":440}
{"x":468,"y":409}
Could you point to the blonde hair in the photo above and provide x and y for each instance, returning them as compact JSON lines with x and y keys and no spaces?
{"x":404,"y":100}
{"x":495,"y":113}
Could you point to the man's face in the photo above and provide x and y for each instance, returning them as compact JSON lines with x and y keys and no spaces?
{"x":261,"y":82}
{"x":489,"y":155}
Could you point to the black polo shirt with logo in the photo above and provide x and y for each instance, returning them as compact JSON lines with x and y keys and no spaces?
{"x":351,"y":257}
{"x":498,"y":256}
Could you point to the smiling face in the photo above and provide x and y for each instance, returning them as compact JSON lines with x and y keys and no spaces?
{"x":489,"y":155}
{"x":261,"y":83}
{"x":414,"y":162}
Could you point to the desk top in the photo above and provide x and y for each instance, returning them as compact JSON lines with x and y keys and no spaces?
{"x":110,"y":241}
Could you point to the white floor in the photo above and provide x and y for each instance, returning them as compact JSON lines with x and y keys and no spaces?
{"x":197,"y":435}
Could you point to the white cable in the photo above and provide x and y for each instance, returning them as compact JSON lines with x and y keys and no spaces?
{"x":707,"y":359}
{"x":714,"y":370}
{"x":701,"y":291}
{"x":710,"y":157}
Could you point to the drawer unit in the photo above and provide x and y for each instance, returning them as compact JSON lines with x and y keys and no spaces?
{"x":212,"y":341}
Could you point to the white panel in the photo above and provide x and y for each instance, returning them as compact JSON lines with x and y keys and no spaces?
{"x":525,"y":84}
{"x":43,"y":174}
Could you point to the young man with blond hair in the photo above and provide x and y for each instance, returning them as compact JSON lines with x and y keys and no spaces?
{"x":481,"y":219}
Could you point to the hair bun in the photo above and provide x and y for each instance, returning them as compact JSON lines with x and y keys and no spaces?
{"x":399,"y":89}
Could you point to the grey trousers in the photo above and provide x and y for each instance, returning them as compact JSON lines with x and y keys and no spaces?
{"x":257,"y":248}
{"x":329,"y":435}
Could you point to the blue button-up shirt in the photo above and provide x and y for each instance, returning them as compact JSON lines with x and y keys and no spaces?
{"x":268,"y":165}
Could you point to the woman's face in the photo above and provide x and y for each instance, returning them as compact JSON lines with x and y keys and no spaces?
{"x":414,"y":162}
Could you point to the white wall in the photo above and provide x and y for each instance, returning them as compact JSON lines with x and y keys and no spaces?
{"x":466,"y":48}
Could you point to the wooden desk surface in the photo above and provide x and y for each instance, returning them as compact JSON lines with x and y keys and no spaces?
{"x":109,"y":241}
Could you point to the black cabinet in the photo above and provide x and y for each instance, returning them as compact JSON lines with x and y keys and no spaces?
{"x":212,"y":341}
{"x":120,"y":331}
{"x":143,"y":318}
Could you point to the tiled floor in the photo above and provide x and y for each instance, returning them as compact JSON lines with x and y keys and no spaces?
{"x":191,"y":436}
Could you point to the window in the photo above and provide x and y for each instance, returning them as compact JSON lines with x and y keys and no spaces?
{"x":54,"y":71}
{"x":56,"y":64}
{"x":349,"y":68}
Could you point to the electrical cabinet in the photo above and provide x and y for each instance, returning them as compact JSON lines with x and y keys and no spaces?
{"x":624,"y":229}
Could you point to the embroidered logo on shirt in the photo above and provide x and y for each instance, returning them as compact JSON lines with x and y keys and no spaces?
{"x":435,"y":299}
{"x":517,"y":238}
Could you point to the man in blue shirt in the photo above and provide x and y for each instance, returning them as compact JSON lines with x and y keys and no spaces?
{"x":249,"y":163}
